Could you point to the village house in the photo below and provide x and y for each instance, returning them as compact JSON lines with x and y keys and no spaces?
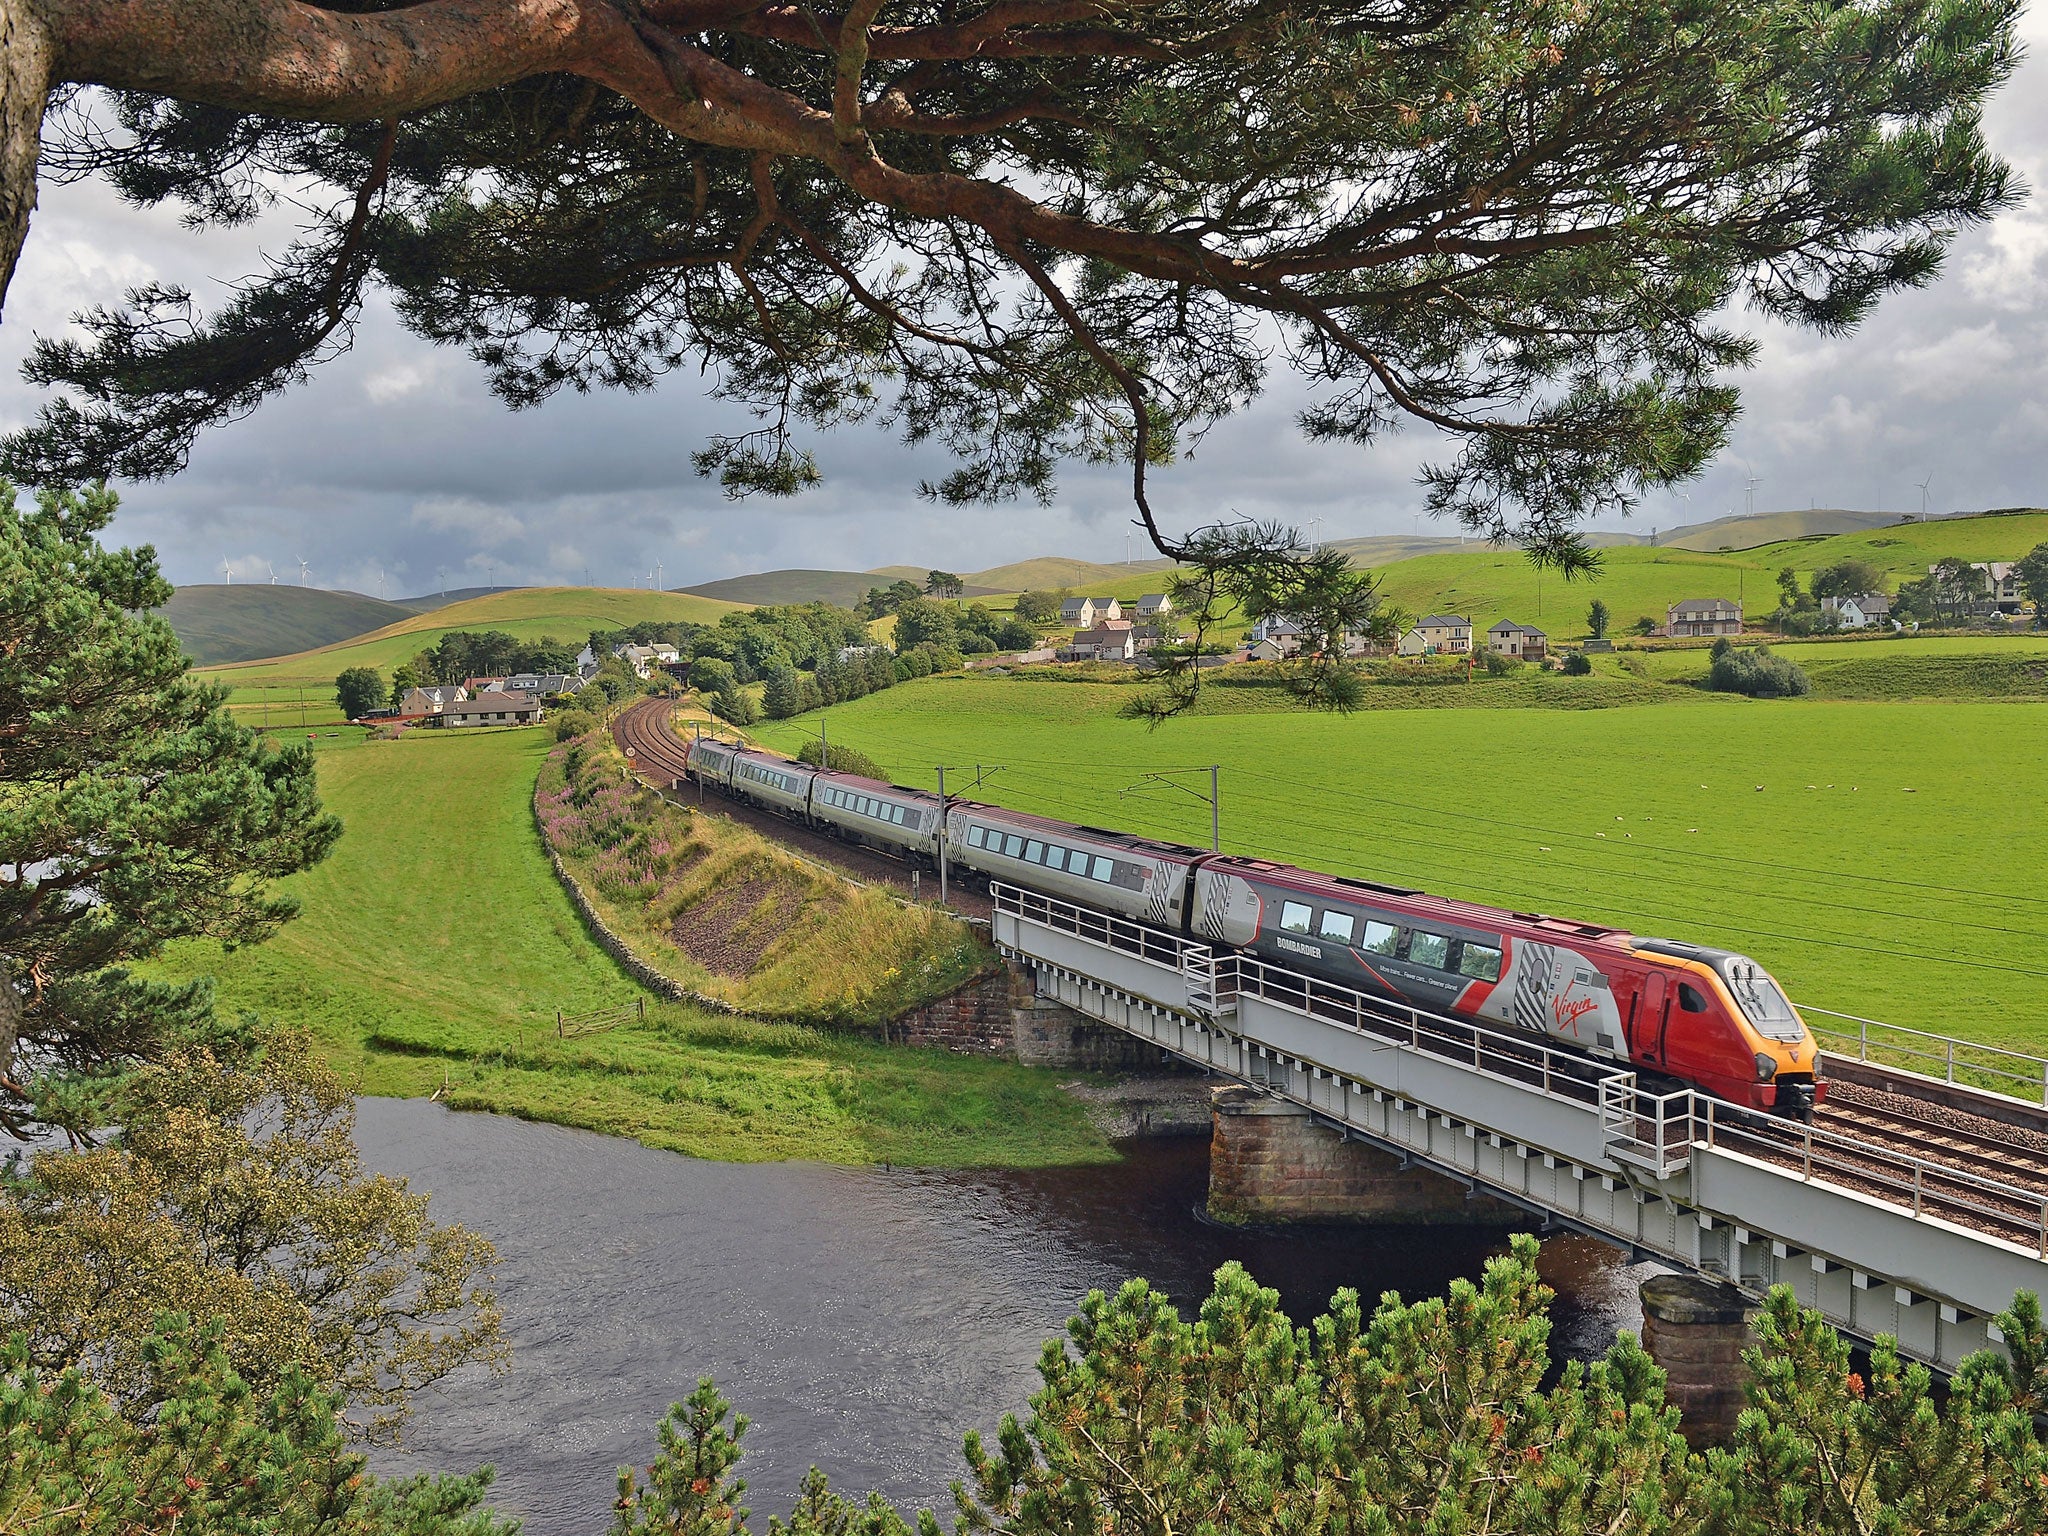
{"x":1525,"y":642}
{"x":1703,"y":616}
{"x":1154,"y":605}
{"x":496,"y":708}
{"x":1438,"y":634}
{"x":1858,"y":611}
{"x":644,"y":659}
{"x":429,"y":702}
{"x":2004,"y":593}
{"x":1087,"y":612}
{"x":1280,"y":635}
{"x":1146,"y":636}
{"x":1112,"y":640}
{"x":542,"y":685}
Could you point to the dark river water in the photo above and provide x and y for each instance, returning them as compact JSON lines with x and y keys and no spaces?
{"x":863,"y":1318}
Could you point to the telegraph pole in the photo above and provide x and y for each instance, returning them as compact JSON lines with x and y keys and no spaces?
{"x":942,"y":834}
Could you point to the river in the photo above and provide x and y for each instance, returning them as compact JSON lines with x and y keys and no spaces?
{"x":863,"y":1318}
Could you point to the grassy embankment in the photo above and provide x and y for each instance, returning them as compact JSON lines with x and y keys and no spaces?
{"x":1874,"y":854}
{"x":437,"y":945}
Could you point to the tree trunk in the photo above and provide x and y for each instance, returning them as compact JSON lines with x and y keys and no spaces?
{"x":25,"y":61}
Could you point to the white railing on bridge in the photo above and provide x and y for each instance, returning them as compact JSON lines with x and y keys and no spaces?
{"x":1964,"y":1063}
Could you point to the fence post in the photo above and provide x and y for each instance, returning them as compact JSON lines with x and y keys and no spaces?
{"x":642,"y":1003}
{"x":558,"y":1024}
{"x":1951,"y":1061}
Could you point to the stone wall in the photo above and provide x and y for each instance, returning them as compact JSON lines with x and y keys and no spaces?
{"x":1271,"y":1161}
{"x":1003,"y":1015}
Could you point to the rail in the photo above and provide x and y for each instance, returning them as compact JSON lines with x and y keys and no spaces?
{"x":1918,"y":1184}
{"x":1962,"y":1062}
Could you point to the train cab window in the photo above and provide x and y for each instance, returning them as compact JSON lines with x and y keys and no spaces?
{"x":974,"y":837}
{"x":1380,"y":938}
{"x":1338,"y":926}
{"x":1430,"y":949}
{"x":1690,"y":1000}
{"x":1104,"y":869}
{"x":1294,"y":916}
{"x":1479,"y":960}
{"x":1035,"y":852}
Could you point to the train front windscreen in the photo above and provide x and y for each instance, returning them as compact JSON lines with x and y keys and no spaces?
{"x":1762,"y":1000}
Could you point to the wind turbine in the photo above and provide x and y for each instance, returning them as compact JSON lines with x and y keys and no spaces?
{"x":1923,"y":494}
{"x":441,"y":575}
{"x":1749,"y":495}
{"x":273,"y":572}
{"x":227,"y":570}
{"x":658,"y":568}
{"x":302,"y":570}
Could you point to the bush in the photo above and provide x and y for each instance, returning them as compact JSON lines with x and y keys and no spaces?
{"x":1498,"y":665}
{"x":358,"y":691}
{"x":1646,"y":625}
{"x":1758,"y":674}
{"x":842,"y":760}
{"x":735,"y":705}
{"x":1721,"y":647}
{"x":708,"y":674}
{"x":1577,"y":664}
{"x":572,"y":723}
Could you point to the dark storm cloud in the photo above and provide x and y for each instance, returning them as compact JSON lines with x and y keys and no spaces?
{"x":396,"y":463}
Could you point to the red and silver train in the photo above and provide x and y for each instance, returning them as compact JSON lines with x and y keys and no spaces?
{"x":1707,"y":1017}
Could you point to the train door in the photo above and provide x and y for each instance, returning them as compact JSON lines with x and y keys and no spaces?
{"x":1652,"y":1019}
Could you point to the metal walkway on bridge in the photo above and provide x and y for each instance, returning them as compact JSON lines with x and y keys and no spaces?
{"x":1877,"y":1237}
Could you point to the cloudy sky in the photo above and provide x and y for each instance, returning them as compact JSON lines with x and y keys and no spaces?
{"x":396,"y":469}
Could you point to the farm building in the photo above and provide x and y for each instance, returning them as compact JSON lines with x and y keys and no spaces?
{"x":493,"y":708}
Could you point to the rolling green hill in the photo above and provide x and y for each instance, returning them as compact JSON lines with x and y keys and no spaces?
{"x":217,"y":622}
{"x":1772,"y":528}
{"x":567,"y":613}
{"x":793,"y":586}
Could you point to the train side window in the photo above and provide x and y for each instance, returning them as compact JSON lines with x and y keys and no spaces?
{"x":1690,"y":1000}
{"x":1380,"y":938}
{"x":896,"y":814}
{"x":1294,"y":916}
{"x":1055,"y":856}
{"x":1013,"y":845}
{"x":1430,"y":949}
{"x":1480,"y":960}
{"x":1035,"y":852}
{"x":1338,"y":926}
{"x":1104,"y":869}
{"x":974,"y":837}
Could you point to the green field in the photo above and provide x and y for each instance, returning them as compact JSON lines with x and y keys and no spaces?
{"x":221,"y":623}
{"x":1882,"y":857}
{"x":435,"y":946}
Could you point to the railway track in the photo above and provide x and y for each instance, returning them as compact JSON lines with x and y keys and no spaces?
{"x":659,"y":755}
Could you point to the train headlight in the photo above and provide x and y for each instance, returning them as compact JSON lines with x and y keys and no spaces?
{"x":1766,"y":1067}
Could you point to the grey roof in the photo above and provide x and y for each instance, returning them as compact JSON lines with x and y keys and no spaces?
{"x":1703,"y":605}
{"x":1510,"y":627}
{"x":493,"y":704}
{"x":1441,"y":621}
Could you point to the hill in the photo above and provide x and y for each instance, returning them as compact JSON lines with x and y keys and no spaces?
{"x":794,"y":586}
{"x":218,"y":622}
{"x":567,"y":613}
{"x":1774,"y":527}
{"x":432,"y":600}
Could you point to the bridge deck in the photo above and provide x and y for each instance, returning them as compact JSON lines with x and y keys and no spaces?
{"x":1877,"y":1236}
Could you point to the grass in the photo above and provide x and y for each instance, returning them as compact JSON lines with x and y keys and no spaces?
{"x":1874,"y":854}
{"x":435,"y":946}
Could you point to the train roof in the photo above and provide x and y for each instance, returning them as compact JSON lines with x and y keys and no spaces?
{"x":874,"y":786}
{"x":1130,"y":840}
{"x":1470,"y":914}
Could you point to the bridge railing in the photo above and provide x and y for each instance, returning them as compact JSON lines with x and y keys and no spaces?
{"x":1963,"y":1062}
{"x":1918,"y":1184}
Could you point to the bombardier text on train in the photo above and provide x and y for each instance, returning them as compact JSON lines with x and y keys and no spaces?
{"x":1706,"y":1017}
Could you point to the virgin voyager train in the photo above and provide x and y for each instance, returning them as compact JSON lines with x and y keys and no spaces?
{"x":1707,"y":1017}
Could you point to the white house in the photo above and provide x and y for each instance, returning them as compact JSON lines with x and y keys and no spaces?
{"x":1112,"y":640}
{"x":643,"y":659}
{"x":1859,"y":610}
{"x":1154,"y":605}
{"x":1284,"y":632}
{"x":1087,"y":612}
{"x":540,"y":684}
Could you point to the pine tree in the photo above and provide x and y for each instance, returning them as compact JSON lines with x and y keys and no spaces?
{"x":135,"y":811}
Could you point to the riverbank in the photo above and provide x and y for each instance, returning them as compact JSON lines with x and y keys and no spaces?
{"x":435,"y":948}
